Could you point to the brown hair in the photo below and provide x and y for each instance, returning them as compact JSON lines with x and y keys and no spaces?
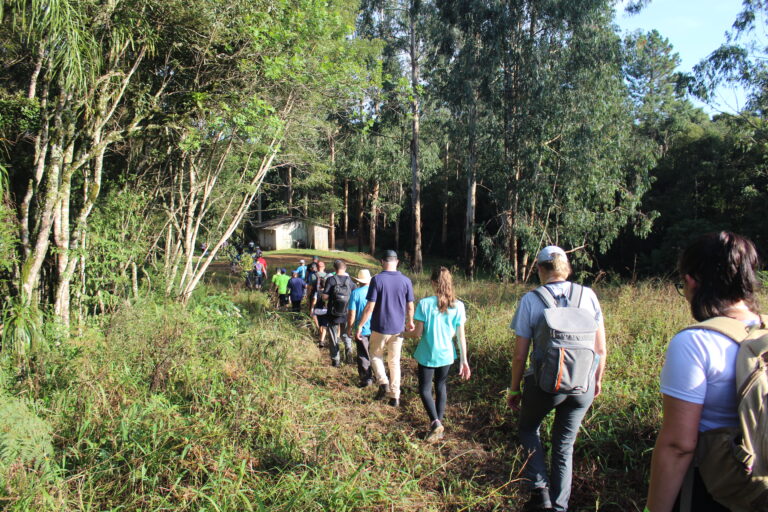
{"x":557,"y":266}
{"x":724,"y":266}
{"x":446,"y":297}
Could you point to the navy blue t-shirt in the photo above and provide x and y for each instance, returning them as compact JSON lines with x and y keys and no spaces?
{"x":296,"y":288}
{"x":391,"y":291}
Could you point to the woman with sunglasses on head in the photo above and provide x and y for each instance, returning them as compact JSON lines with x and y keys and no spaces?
{"x":698,"y":380}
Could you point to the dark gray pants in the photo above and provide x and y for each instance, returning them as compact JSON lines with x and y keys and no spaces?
{"x":364,"y":359}
{"x":569,"y":411}
{"x":334,"y":332}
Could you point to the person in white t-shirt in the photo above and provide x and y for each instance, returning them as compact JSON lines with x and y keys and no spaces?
{"x":698,"y":380}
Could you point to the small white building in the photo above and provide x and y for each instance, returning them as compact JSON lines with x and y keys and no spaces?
{"x":291,"y":233}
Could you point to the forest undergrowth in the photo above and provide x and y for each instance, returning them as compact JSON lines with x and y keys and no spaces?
{"x":227,"y":405}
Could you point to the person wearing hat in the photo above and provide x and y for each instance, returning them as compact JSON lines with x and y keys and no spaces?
{"x":390,"y":309}
{"x":280,"y":280}
{"x":550,"y":491}
{"x":302,"y":270}
{"x":355,"y":309}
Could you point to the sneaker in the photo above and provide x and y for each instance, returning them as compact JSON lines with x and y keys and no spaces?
{"x":538,"y":501}
{"x":335,"y":363}
{"x":365,"y":383}
{"x":382,"y":393}
{"x":436,"y":433}
{"x":394,"y":402}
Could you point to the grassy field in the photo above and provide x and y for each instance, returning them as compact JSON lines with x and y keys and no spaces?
{"x":227,"y":405}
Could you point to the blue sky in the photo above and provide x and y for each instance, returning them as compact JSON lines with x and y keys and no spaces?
{"x":694,"y":28}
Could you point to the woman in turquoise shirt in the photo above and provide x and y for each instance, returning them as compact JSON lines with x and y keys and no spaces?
{"x":438,"y":319}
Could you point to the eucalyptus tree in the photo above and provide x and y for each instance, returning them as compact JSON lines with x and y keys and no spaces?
{"x":560,"y":160}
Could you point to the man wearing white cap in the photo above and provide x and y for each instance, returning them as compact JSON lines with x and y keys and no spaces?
{"x":355,"y":309}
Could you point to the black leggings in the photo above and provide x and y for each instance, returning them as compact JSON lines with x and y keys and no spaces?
{"x":440,"y":376}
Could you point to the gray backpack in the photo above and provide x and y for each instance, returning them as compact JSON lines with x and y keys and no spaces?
{"x":564,"y":359}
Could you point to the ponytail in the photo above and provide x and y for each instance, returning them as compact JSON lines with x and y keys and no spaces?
{"x":446,"y":297}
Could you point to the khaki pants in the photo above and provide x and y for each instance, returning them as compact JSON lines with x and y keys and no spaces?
{"x":393,"y":344}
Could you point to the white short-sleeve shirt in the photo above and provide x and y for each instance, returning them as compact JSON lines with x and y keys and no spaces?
{"x":700,"y":368}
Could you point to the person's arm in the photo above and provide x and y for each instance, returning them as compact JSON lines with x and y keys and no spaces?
{"x":602,"y":352}
{"x":416,"y":332}
{"x":409,"y":325}
{"x":464,"y":370}
{"x":520,"y":354}
{"x":351,"y":314}
{"x":367,"y":312}
{"x":673,"y":452}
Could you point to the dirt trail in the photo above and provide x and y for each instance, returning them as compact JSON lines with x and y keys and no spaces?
{"x":479,"y":444}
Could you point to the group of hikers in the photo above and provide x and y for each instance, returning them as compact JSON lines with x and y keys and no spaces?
{"x":558,"y":363}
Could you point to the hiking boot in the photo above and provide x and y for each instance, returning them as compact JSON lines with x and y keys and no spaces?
{"x":394,"y":402}
{"x":538,"y":501}
{"x":436,"y":433}
{"x":382,"y":393}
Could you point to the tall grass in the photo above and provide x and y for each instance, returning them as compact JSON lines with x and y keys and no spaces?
{"x":228,"y":405}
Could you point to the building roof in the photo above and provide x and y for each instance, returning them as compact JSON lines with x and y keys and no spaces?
{"x":279,"y":221}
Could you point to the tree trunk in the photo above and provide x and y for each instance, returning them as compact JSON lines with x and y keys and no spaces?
{"x":289,"y":183}
{"x":360,"y":215}
{"x":397,"y":221}
{"x":446,"y":195}
{"x":346,"y":212}
{"x":374,"y":216}
{"x":332,"y":232}
{"x":469,"y":227}
{"x":416,"y":262}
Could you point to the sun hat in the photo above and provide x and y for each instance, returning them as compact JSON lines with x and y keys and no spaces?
{"x":548,"y":253}
{"x":363,"y":276}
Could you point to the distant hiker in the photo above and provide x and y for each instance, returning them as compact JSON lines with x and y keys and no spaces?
{"x":355,"y":309}
{"x":311,"y":269}
{"x":438,"y":319}
{"x":259,"y":272}
{"x":390,"y":308}
{"x":316,"y":303}
{"x":296,"y":287}
{"x":336,"y":294}
{"x":709,"y":454}
{"x":302,"y":270}
{"x":280,"y":280}
{"x":565,"y":373}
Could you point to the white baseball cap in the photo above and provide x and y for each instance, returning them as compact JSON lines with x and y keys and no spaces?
{"x":548,"y":253}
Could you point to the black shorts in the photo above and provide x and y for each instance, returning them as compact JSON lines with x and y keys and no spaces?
{"x":284,"y":299}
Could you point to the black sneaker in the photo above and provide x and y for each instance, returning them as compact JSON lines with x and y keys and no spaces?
{"x":382,"y":393}
{"x":538,"y":501}
{"x":394,"y":402}
{"x":365,"y":383}
{"x":335,"y":363}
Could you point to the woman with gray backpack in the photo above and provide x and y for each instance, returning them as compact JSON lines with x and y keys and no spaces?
{"x":711,"y":454}
{"x":560,"y":324}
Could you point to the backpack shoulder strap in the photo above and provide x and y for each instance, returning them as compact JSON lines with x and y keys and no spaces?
{"x":546,"y":296}
{"x":574,"y":298}
{"x":732,"y":328}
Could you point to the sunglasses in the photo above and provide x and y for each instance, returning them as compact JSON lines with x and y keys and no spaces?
{"x":680,"y":287}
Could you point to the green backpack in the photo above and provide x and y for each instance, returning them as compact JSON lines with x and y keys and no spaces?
{"x":733,"y":462}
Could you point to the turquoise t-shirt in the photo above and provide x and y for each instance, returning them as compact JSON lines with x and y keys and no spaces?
{"x":436,"y":345}
{"x":357,"y":303}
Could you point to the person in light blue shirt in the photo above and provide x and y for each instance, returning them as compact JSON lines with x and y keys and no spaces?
{"x":355,"y":307}
{"x":438,"y":319}
{"x":302,"y":270}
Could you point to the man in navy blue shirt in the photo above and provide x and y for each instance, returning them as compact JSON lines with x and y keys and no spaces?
{"x":296,"y":290}
{"x":390,"y":308}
